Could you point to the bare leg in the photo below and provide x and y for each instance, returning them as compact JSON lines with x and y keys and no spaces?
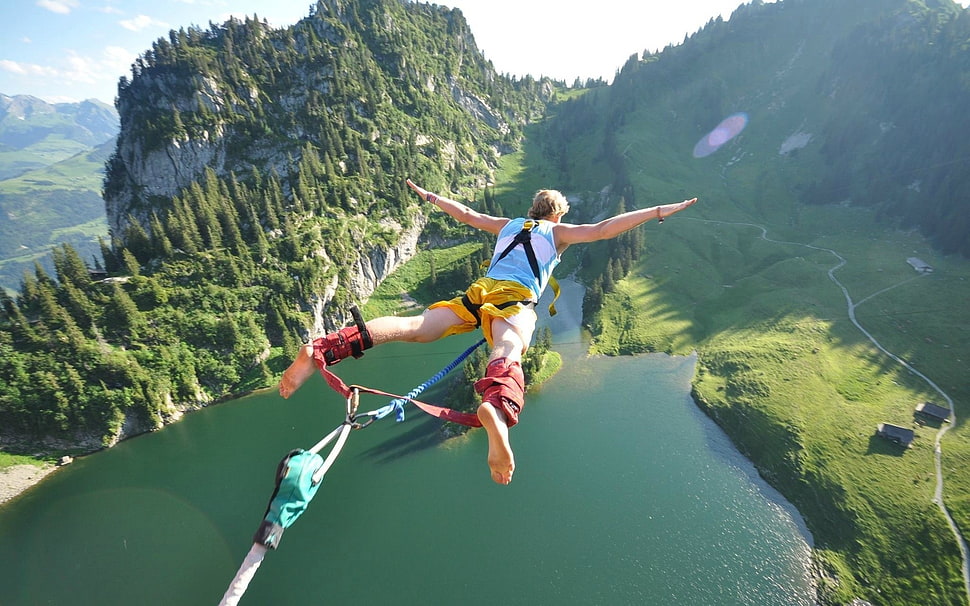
{"x":427,"y":327}
{"x":508,"y":342}
{"x":501,"y":461}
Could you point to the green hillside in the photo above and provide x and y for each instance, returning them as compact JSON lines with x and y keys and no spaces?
{"x":52,"y":159}
{"x":212,"y":288}
{"x":748,"y":277}
{"x":50,"y":206}
{"x":35,"y":134}
{"x":851,"y":163}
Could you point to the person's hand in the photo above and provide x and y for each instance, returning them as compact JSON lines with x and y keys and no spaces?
{"x":422,"y":193}
{"x":665,"y":211}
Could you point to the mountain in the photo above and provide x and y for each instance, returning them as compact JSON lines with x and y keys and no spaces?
{"x":860,"y":103}
{"x":374,"y":88}
{"x":52,"y":159}
{"x":44,"y":206}
{"x":256,"y":189}
{"x":34,"y":133}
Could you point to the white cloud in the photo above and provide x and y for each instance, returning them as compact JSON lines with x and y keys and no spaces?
{"x":113,"y":63}
{"x":26,"y":69}
{"x":81,"y":69}
{"x":117,"y":60}
{"x":141,"y":22}
{"x":75,"y":68}
{"x":61,"y":7}
{"x":13,"y":67}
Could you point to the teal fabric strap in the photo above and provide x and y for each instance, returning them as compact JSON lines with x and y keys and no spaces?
{"x":294,"y":489}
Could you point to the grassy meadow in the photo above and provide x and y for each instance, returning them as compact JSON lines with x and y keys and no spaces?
{"x":800,"y":389}
{"x":50,"y":205}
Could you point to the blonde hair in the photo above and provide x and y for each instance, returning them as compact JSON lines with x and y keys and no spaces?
{"x":548,"y":202}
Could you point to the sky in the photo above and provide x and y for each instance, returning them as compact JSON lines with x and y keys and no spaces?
{"x":71,"y":50}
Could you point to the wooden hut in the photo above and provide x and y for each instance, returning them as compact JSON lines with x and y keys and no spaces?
{"x":932,"y":410}
{"x":894,"y":433}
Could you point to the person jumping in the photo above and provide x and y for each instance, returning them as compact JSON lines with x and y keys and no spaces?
{"x":502,"y":303}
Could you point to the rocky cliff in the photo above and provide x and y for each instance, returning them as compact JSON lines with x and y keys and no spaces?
{"x":339,"y":109}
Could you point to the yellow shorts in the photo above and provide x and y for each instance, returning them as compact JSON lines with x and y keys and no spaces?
{"x":490,"y":295}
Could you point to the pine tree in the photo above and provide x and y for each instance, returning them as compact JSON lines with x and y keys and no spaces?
{"x":111,"y":262}
{"x":137,"y":241}
{"x":182,"y":227}
{"x":275,"y":325}
{"x":55,"y":317}
{"x":69,"y":266}
{"x":23,"y":335}
{"x":259,"y":242}
{"x":161,"y":245}
{"x":291,"y":343}
{"x":120,"y":317}
{"x":78,"y":304}
{"x":130,"y":263}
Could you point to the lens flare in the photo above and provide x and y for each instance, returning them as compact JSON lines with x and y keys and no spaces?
{"x":728,"y":129}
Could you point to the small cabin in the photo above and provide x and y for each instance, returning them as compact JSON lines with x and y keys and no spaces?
{"x":894,"y":433}
{"x":920,"y":265}
{"x":934,"y":411}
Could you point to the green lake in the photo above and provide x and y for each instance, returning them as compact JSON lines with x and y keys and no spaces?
{"x":624,"y":493}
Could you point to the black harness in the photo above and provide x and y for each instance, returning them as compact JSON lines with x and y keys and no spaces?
{"x":524,"y":239}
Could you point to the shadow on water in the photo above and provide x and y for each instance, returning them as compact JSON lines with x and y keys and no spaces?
{"x":421,"y":435}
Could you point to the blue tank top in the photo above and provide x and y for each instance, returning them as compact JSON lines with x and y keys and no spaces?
{"x":515,"y":266}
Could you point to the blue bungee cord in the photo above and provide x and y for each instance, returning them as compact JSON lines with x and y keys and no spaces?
{"x":397,"y":404}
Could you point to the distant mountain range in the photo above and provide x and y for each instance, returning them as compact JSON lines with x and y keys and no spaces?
{"x":35,"y":134}
{"x":52,"y":158}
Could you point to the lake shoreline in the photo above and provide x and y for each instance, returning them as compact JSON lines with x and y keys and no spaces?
{"x":17,"y":479}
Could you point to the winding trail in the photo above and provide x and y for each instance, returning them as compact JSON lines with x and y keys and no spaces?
{"x":938,"y":449}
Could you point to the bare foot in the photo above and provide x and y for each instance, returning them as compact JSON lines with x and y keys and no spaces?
{"x":500,"y":459}
{"x":299,"y":371}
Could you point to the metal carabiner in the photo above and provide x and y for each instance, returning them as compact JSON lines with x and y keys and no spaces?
{"x":353,"y":401}
{"x":358,"y":425}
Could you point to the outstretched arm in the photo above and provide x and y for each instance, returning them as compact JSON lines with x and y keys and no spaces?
{"x":567,"y":234}
{"x":462,"y":213}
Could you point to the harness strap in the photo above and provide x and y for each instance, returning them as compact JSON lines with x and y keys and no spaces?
{"x":524,"y":238}
{"x":554,"y":285}
{"x":366,"y":340}
{"x":462,"y":418}
{"x":474,"y":308}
